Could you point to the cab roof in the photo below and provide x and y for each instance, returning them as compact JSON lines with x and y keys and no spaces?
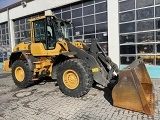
{"x":40,"y":17}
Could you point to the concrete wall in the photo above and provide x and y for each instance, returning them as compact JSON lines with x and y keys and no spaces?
{"x":113,"y":31}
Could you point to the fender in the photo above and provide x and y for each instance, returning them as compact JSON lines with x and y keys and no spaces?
{"x":92,"y":62}
{"x":68,"y":53}
{"x":61,"y":58}
{"x":16,"y":56}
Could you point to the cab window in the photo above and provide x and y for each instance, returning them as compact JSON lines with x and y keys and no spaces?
{"x":39,"y":31}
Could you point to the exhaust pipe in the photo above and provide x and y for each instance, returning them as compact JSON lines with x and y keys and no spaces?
{"x":134,"y":90}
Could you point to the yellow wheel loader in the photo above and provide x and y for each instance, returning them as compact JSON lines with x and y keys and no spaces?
{"x":49,"y":52}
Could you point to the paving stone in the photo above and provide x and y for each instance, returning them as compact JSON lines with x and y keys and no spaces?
{"x":46,"y":102}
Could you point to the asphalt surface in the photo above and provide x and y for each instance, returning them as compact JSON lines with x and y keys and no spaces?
{"x":44,"y":101}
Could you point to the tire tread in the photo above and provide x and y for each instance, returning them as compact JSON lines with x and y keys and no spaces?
{"x":85,"y":71}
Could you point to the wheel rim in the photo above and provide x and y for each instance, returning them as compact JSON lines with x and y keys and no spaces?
{"x":19,"y":74}
{"x":70,"y":79}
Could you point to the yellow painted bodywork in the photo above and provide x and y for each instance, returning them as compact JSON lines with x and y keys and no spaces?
{"x":78,"y":44}
{"x":39,"y":51}
{"x":43,"y":64}
{"x":5,"y":66}
{"x":71,"y":79}
{"x":21,"y":46}
{"x":55,"y":51}
{"x":19,"y":74}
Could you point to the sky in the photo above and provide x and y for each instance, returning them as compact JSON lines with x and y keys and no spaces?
{"x":5,"y":3}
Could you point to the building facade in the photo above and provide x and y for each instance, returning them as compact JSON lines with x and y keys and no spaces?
{"x":126,"y":29}
{"x":139,"y":32}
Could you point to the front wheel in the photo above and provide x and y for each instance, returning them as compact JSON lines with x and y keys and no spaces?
{"x":21,"y":74}
{"x":74,"y":78}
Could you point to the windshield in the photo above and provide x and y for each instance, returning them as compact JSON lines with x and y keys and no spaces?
{"x":62,"y":29}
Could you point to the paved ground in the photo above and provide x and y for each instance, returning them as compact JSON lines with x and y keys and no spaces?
{"x":46,"y":102}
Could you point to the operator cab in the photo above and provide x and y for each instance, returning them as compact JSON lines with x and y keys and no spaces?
{"x":48,"y":30}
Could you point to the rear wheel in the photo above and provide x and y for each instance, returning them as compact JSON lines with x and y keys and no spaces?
{"x":74,"y":78}
{"x":21,"y":74}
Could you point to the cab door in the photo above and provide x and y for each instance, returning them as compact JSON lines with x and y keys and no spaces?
{"x":52,"y":45}
{"x":39,"y":45}
{"x":45,"y":43}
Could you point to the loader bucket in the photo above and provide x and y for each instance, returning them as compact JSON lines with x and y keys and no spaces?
{"x":134,"y":90}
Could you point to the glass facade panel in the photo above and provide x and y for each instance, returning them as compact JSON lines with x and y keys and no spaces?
{"x":129,"y":38}
{"x":3,"y":25}
{"x":102,"y":37}
{"x":78,"y":31}
{"x":158,"y":48}
{"x":78,"y":37}
{"x":127,"y":59}
{"x":88,"y":2}
{"x":88,"y":10}
{"x":145,"y":37}
{"x":66,"y":8}
{"x":89,"y":29}
{"x":145,"y":13}
{"x":101,"y":17}
{"x":21,"y":26}
{"x":89,"y":38}
{"x":77,"y":13}
{"x":77,"y":22}
{"x":96,"y":1}
{"x":16,"y":28}
{"x":157,"y":23}
{"x":27,"y":26}
{"x":101,"y":27}
{"x":157,"y":13}
{"x":5,"y":50}
{"x":127,"y":27}
{"x":101,"y":7}
{"x":145,"y":25}
{"x":158,"y":36}
{"x":58,"y":15}
{"x":56,"y":10}
{"x":149,"y":48}
{"x":127,"y":5}
{"x":127,"y":49}
{"x":89,"y":19}
{"x":127,"y":16}
{"x":76,"y":5}
{"x":139,"y":31}
{"x":66,"y":15}
{"x":157,"y":59}
{"x":157,"y":1}
{"x":144,"y":3}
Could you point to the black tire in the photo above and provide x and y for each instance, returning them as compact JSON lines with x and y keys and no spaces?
{"x":84,"y":75}
{"x":28,"y":74}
